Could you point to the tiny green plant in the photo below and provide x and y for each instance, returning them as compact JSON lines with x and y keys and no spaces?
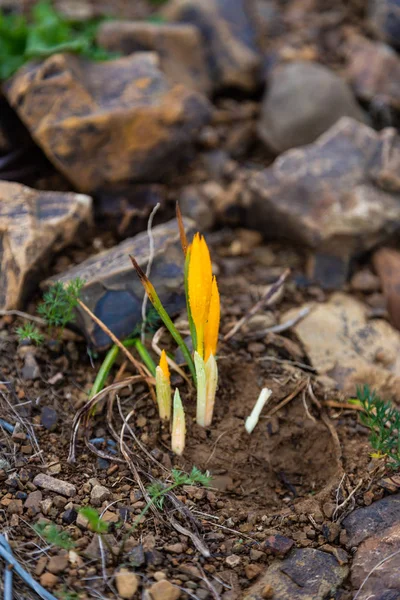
{"x":46,"y":32}
{"x":53,"y":536}
{"x":59,"y":302}
{"x":29,"y":332}
{"x":383,"y":421}
{"x":96,"y":523}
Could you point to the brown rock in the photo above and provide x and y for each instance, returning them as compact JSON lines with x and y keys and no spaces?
{"x":40,"y":566}
{"x":302,"y":101}
{"x":55,"y":485}
{"x":15,"y":507}
{"x":278,"y":545}
{"x":387,"y":264}
{"x":344,"y":344}
{"x":365,"y":281}
{"x":34,"y":225}
{"x":164,"y":590}
{"x":114,"y":121}
{"x":373,"y":69}
{"x":174,"y":548}
{"x":339,"y":196}
{"x":179,"y":47}
{"x":113,"y":291}
{"x":33,"y":500}
{"x":48,"y":580}
{"x":57,"y":564}
{"x":252,"y":571}
{"x":229,"y":39}
{"x":127,"y":583}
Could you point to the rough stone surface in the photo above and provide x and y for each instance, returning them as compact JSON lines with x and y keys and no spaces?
{"x":112,"y":121}
{"x":385,"y":16}
{"x":33,"y":226}
{"x":344,"y":344}
{"x":54,"y":485}
{"x":164,"y":590}
{"x":372,"y":520}
{"x":339,"y":196}
{"x":48,"y":580}
{"x":113,"y":290}
{"x":382,"y":583}
{"x":33,"y":500}
{"x":387,"y":265}
{"x":302,"y":101}
{"x":127,"y":583}
{"x":306,"y":574}
{"x":57,"y":564}
{"x":229,"y":39}
{"x":374,"y":72}
{"x":278,"y":545}
{"x":179,"y":47}
{"x":98,"y":494}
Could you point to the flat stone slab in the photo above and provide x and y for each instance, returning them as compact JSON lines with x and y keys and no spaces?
{"x":55,"y":485}
{"x":114,"y":292}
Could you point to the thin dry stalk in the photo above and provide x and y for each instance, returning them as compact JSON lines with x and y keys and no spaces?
{"x":345,"y":502}
{"x":266,"y":300}
{"x":149,"y":265}
{"x":258,"y":335}
{"x":23,"y":315}
{"x":288,"y":398}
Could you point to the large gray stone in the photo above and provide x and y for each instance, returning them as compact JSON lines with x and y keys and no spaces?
{"x":33,"y":226}
{"x":112,"y":289}
{"x":229,"y":39}
{"x":369,"y":521}
{"x":306,"y":574}
{"x":302,"y":101}
{"x":339,"y":196}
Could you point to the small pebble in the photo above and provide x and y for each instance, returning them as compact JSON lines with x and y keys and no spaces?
{"x":127,"y":583}
{"x":98,"y":494}
{"x":233,"y":561}
{"x":164,"y":590}
{"x":54,"y":485}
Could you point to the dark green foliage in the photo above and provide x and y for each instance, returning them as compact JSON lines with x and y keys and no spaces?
{"x":30,"y":332}
{"x":59,"y":302}
{"x":46,"y":32}
{"x":383,"y":420}
{"x":53,"y":536}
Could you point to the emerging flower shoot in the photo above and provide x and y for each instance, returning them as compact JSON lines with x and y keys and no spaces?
{"x":163,"y":388}
{"x":178,"y":425}
{"x":204,"y":316}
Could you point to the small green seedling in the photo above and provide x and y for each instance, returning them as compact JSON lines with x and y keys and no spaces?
{"x":59,"y":302}
{"x":53,"y":536}
{"x":96,"y":523}
{"x":31,"y":333}
{"x":383,"y":420}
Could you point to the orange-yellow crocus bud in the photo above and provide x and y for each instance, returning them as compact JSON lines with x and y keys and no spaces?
{"x":212,"y":325}
{"x":163,"y":388}
{"x":199,"y":287}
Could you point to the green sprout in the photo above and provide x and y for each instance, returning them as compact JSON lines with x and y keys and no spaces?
{"x":29,"y":332}
{"x":59,"y":303}
{"x":383,"y":421}
{"x":53,"y":536}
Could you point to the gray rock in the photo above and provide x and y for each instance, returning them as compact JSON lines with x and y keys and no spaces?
{"x":306,"y":574}
{"x":229,"y":39}
{"x":48,"y":417}
{"x":112,"y":122}
{"x":372,"y":520}
{"x":112,"y":289}
{"x":385,"y":16}
{"x":30,"y":370}
{"x":302,"y":101}
{"x":54,"y":485}
{"x":373,"y":70}
{"x":98,"y":494}
{"x":382,"y":583}
{"x":33,"y":500}
{"x":196,"y":206}
{"x":34,"y":226}
{"x":179,"y":46}
{"x":339,"y":196}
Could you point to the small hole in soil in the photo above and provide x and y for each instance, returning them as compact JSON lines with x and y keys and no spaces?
{"x":287,"y":457}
